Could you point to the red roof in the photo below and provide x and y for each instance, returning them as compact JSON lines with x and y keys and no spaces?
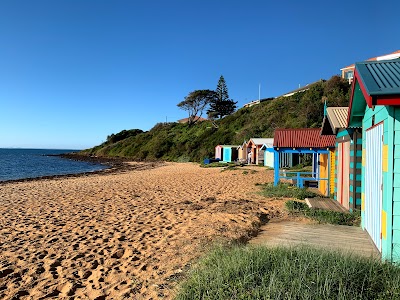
{"x":303,"y":138}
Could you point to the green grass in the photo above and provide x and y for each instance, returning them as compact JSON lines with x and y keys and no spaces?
{"x":289,"y":273}
{"x":324,"y":216}
{"x":285,"y":190}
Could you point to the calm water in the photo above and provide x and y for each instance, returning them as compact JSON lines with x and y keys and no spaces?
{"x":30,"y":163}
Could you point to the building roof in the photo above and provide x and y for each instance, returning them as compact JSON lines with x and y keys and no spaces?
{"x":261,"y":141}
{"x":393,"y":55}
{"x":335,"y":119}
{"x":302,"y":89}
{"x":303,"y":138}
{"x":380,"y":77}
{"x":197,"y":118}
{"x":376,"y":83}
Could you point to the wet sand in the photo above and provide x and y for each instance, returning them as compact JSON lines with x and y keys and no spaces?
{"x":129,"y":235}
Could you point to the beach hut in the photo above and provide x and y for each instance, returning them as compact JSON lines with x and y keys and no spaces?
{"x":305,"y":141}
{"x":286,"y":160}
{"x":254,"y":146}
{"x":375,"y":107}
{"x":218,"y":152}
{"x":345,"y":179}
{"x":226,"y":153}
{"x":268,"y":148}
{"x":242,"y":151}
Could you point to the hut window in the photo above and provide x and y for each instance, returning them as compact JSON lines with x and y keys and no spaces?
{"x":373,"y":120}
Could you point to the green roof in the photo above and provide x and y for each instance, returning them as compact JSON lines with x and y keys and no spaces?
{"x":380,"y":77}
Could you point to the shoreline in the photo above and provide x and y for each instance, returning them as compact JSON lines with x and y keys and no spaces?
{"x":113,"y":166}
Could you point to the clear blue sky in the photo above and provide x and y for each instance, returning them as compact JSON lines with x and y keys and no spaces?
{"x":73,"y":72}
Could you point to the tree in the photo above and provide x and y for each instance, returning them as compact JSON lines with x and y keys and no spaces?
{"x":221,"y":105}
{"x":195,"y":103}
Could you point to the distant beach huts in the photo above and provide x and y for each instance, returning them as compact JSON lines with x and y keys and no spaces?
{"x":375,"y":107}
{"x":226,"y":153}
{"x":254,"y":146}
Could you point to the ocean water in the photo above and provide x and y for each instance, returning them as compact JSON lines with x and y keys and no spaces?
{"x":31,"y":163}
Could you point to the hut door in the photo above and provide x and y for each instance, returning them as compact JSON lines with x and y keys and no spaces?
{"x":373,"y":183}
{"x":343,"y":180}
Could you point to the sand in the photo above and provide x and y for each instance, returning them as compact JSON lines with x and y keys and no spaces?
{"x":131,"y":235}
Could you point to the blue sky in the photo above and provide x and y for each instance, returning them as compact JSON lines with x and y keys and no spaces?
{"x":73,"y":72}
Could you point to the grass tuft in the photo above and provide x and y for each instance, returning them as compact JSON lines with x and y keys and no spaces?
{"x":289,"y":273}
{"x":298,"y":208}
{"x":286,"y":190}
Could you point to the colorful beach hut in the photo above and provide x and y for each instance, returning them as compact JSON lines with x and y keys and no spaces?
{"x":286,"y":160}
{"x":254,"y":146}
{"x":226,"y":153}
{"x":303,"y":141}
{"x":242,"y":151}
{"x":345,"y":179}
{"x":375,"y":107}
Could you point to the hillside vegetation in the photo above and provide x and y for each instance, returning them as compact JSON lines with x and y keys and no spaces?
{"x":181,"y":142}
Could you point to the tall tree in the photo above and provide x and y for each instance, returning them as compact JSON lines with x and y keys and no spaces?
{"x":221,"y":105}
{"x":195,"y":103}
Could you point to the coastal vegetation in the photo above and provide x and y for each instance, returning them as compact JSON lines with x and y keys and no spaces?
{"x":182,"y":142}
{"x":240,"y":272}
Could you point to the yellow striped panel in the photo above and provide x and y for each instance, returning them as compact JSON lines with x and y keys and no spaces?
{"x":383,"y":224}
{"x":362,"y":202}
{"x":332,"y":172}
{"x":385,"y":158}
{"x":363,"y":157}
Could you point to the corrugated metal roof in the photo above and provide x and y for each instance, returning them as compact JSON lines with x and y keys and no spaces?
{"x":380,"y":77}
{"x":337,"y":116}
{"x":261,"y":141}
{"x":303,"y":138}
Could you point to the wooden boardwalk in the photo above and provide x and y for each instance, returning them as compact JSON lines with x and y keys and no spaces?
{"x":325,"y":204}
{"x":348,"y":239}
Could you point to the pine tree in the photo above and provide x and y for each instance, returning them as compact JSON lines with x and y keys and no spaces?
{"x":221,"y":105}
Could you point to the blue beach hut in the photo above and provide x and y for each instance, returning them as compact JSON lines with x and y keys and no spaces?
{"x":375,"y":107}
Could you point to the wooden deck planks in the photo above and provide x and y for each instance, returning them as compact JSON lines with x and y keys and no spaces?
{"x":325,"y":204}
{"x":334,"y":237}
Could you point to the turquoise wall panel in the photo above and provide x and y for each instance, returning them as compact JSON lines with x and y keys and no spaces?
{"x":396,"y":194}
{"x":396,"y":167}
{"x":396,"y":180}
{"x":227,"y":154}
{"x":396,"y":209}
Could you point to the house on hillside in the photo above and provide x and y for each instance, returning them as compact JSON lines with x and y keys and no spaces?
{"x":306,"y":141}
{"x":197,"y":119}
{"x":255,"y":102}
{"x":348,"y":72}
{"x":301,"y":89}
{"x":345,"y":173}
{"x":375,"y":107}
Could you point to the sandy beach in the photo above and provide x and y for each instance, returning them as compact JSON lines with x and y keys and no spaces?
{"x":129,"y":235}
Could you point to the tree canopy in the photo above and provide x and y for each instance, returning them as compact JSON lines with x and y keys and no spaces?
{"x":195,"y":103}
{"x":221,"y":105}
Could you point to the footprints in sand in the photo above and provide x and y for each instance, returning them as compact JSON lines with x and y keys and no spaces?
{"x":118,"y":236}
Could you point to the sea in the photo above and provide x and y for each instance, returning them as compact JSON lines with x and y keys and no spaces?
{"x":32,"y":163}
